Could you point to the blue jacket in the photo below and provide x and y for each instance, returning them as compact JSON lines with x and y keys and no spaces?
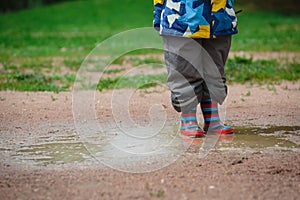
{"x":195,"y":18}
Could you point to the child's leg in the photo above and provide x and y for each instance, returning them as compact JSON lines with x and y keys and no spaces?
{"x":189,"y":125}
{"x":212,"y":121}
{"x":218,"y":49}
{"x":184,"y":80}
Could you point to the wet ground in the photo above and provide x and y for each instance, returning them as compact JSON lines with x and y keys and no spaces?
{"x":114,"y":149}
{"x":265,"y":160}
{"x":43,"y":156}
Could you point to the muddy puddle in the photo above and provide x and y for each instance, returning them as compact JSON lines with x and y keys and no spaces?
{"x":121,"y":151}
{"x":52,"y":150}
{"x":277,"y":138}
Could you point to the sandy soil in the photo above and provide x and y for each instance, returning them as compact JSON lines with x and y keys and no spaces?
{"x":222,"y":174}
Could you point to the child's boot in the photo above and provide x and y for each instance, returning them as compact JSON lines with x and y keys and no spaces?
{"x":189,"y":125}
{"x":211,"y":117}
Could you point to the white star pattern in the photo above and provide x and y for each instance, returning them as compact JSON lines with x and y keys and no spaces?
{"x":172,"y":18}
{"x":173,"y":5}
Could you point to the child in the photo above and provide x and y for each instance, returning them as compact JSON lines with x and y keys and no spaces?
{"x":194,"y":33}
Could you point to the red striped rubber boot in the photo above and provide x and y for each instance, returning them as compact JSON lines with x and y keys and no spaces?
{"x":189,"y":125}
{"x":211,"y":117}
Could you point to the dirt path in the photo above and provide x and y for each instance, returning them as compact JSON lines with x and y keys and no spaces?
{"x":246,"y":166}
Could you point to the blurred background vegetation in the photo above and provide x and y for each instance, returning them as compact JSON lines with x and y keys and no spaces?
{"x":14,"y":5}
{"x":43,"y":42}
{"x":286,"y":6}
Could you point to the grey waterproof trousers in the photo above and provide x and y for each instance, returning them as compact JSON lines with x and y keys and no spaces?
{"x":195,"y":69}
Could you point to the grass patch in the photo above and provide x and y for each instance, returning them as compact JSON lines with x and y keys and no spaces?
{"x":160,"y":193}
{"x":238,"y":69}
{"x":74,"y":30}
{"x":146,"y":61}
{"x":36,"y":64}
{"x":137,"y":61}
{"x":78,"y":26}
{"x":267,"y":31}
{"x":31,"y":39}
{"x":114,"y":71}
{"x":137,"y":82}
{"x":35,"y":82}
{"x":73,"y":64}
{"x":241,"y":70}
{"x":119,"y":61}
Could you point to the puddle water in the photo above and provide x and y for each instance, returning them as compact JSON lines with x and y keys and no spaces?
{"x":54,"y":150}
{"x":117,"y":150}
{"x":113,"y":149}
{"x":278,"y":138}
{"x":55,"y":153}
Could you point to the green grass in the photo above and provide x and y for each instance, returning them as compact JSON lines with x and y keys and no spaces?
{"x":31,"y":42}
{"x":35,"y":82}
{"x":73,"y":64}
{"x":114,"y":71}
{"x":74,"y":28}
{"x":136,"y":82}
{"x":160,"y":193}
{"x":267,"y":31}
{"x":69,"y":28}
{"x":148,"y":61}
{"x":241,"y":70}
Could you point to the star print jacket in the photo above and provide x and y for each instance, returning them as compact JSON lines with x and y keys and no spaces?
{"x":195,"y":18}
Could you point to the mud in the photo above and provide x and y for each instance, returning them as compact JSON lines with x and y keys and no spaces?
{"x":44,"y":157}
{"x":67,"y":149}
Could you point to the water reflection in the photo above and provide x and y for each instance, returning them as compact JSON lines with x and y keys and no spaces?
{"x":126,"y":153}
